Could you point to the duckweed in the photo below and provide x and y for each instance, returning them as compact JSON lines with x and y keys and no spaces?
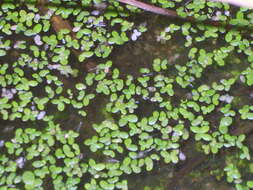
{"x":146,"y":118}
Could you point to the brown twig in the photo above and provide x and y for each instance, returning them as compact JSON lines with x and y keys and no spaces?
{"x":173,"y":14}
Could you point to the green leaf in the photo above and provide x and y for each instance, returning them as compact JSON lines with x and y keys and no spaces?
{"x":105,"y":185}
{"x":28,"y":178}
{"x":67,"y":151}
{"x":149,"y":163}
{"x":228,"y":37}
{"x":2,"y":52}
{"x":249,"y":77}
{"x":99,"y":167}
{"x":85,"y":55}
{"x":250,"y":184}
{"x":60,"y":106}
{"x":224,"y":123}
{"x":37,"y":28}
{"x":132,"y":118}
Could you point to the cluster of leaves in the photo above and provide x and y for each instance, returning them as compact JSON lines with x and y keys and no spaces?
{"x":143,"y":141}
{"x":93,"y":33}
{"x":30,"y":85}
{"x":34,"y":78}
{"x":37,"y":159}
{"x":33,"y":155}
{"x":47,"y":57}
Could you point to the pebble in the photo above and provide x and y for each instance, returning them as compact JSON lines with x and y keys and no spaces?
{"x":95,"y":12}
{"x":20,"y":162}
{"x":76,"y":29}
{"x":227,"y":13}
{"x":50,"y":12}
{"x":37,"y":18}
{"x":14,"y":27}
{"x":1,"y":143}
{"x":151,"y":89}
{"x":41,"y":115}
{"x":17,"y":44}
{"x":182,"y":156}
{"x":55,"y":66}
{"x":8,"y":93}
{"x":226,"y":98}
{"x":112,"y":160}
{"x":242,"y":78}
{"x":135,"y":35}
{"x":217,"y":15}
{"x":37,"y":40}
{"x":167,"y":29}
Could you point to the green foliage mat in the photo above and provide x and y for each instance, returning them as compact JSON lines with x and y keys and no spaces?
{"x":146,"y":118}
